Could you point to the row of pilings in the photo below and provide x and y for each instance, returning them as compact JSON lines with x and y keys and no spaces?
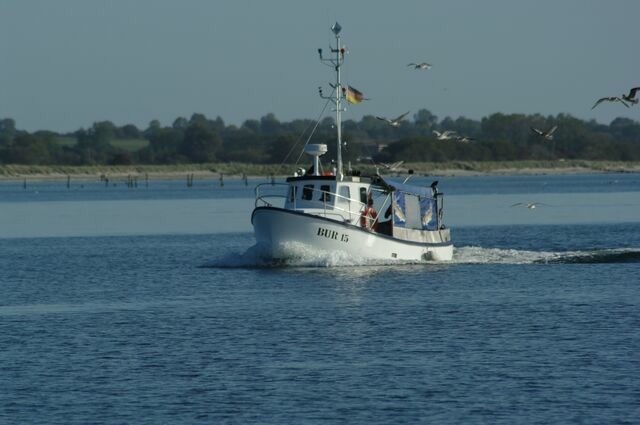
{"x":132,"y":181}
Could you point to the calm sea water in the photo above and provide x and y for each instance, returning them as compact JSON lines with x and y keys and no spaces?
{"x":147,"y":305}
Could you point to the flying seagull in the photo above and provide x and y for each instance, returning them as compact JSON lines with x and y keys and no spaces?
{"x":464,"y":139}
{"x":547,"y":135}
{"x":530,"y":205}
{"x":631,"y":97}
{"x":396,"y":121}
{"x":609,"y":99}
{"x":445,"y":135}
{"x":392,"y":167}
{"x":422,"y":65}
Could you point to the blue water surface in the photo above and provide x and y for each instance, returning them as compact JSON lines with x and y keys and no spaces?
{"x":113,"y":318}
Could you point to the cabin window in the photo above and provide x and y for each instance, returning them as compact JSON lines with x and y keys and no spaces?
{"x":345,"y":194}
{"x":363,"y":195}
{"x":293,"y":190}
{"x":325,"y":193}
{"x":307,"y":192}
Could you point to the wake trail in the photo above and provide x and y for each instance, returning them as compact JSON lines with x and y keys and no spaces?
{"x":255,"y":258}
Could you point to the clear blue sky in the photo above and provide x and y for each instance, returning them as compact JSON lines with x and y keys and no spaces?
{"x":65,"y":64}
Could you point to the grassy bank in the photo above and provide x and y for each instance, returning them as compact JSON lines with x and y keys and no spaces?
{"x":9,"y":172}
{"x":152,"y":171}
{"x":523,"y":167}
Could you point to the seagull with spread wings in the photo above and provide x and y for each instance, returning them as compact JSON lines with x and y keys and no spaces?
{"x":422,"y":65}
{"x":547,"y":135}
{"x":530,"y":205}
{"x":445,"y":135}
{"x":392,"y":167}
{"x":396,"y":121}
{"x":609,"y":99}
{"x":631,"y":97}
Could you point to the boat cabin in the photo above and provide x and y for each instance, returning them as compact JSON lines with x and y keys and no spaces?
{"x":381,"y":205}
{"x":346,"y":198}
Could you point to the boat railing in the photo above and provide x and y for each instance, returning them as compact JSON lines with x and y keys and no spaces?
{"x":276,"y":194}
{"x":332,"y":209}
{"x":270,"y":194}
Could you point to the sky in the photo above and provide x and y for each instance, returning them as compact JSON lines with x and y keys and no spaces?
{"x":66,"y":64}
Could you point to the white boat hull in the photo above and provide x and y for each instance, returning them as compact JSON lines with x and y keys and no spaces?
{"x":282,"y":233}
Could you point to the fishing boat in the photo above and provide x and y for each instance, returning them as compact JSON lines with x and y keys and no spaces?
{"x":327,"y":209}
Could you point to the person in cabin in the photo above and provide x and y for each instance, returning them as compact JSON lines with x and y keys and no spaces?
{"x":369,"y":217}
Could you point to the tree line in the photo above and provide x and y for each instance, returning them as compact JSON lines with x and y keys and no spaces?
{"x":266,"y":140}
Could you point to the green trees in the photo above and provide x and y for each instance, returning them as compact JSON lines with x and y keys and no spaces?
{"x":267,"y":140}
{"x":28,"y":149}
{"x":163,"y":146}
{"x":93,"y":145}
{"x":200,"y":143}
{"x":7,"y":131}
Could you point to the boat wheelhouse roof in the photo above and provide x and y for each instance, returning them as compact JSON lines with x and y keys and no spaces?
{"x":346,"y":179}
{"x":422,"y":191}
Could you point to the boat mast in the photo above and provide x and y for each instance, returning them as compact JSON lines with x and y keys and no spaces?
{"x":336,"y":62}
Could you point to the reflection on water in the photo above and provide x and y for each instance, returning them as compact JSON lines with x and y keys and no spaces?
{"x":130,"y":217}
{"x":49,"y":209}
{"x":560,"y":208}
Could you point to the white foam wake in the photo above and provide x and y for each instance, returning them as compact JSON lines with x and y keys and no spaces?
{"x":300,"y":255}
{"x":480,"y":255}
{"x":297,"y":255}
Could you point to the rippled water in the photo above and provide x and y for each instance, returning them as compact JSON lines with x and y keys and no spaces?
{"x":138,"y":318}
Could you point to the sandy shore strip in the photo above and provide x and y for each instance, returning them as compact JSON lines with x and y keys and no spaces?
{"x":226,"y":171}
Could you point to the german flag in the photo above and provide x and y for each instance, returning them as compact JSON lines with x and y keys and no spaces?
{"x":352,"y":95}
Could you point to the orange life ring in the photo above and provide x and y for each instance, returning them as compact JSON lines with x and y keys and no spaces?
{"x":368,"y":219}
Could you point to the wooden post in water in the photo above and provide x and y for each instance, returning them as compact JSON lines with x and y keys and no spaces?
{"x":24,"y":184}
{"x":146,"y":179}
{"x":68,"y":181}
{"x":244,"y":177}
{"x":273,"y":180}
{"x":221,"y":179}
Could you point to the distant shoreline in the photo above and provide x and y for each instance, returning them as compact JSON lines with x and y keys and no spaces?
{"x":235,"y":170}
